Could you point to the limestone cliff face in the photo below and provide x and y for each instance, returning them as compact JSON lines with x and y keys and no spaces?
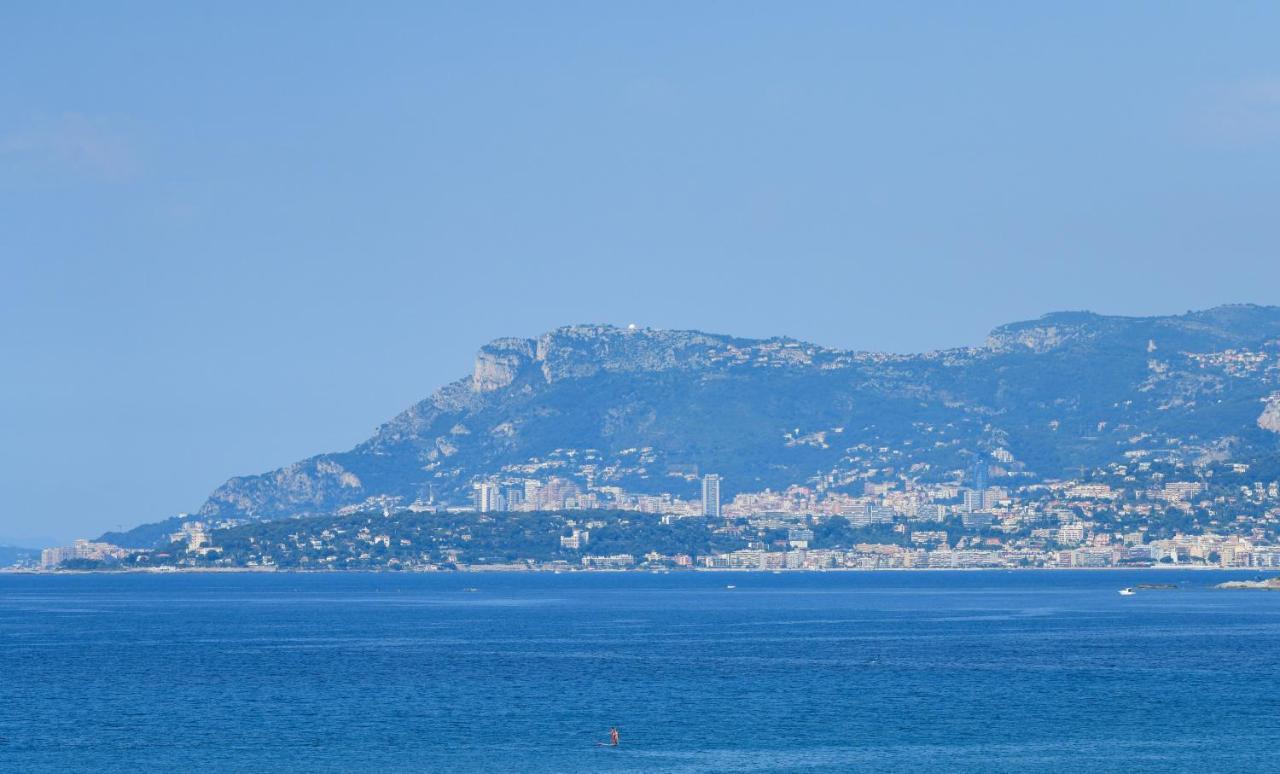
{"x":1270,"y":417}
{"x":499,"y":362}
{"x":455,"y":398}
{"x":581,"y":351}
{"x":1039,"y":339}
{"x":301,"y":487}
{"x":1049,"y":333}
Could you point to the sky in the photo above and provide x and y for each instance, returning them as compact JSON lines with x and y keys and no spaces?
{"x":234,"y":235}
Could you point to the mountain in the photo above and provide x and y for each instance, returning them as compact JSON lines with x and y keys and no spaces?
{"x":650,"y":410}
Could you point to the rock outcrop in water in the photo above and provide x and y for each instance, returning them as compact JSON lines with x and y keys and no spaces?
{"x":1270,"y":584}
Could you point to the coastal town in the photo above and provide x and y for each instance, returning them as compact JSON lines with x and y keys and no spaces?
{"x":584,"y":450}
{"x":1151,"y":512}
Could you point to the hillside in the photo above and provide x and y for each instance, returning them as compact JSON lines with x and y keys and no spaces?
{"x":13,"y":555}
{"x":650,"y":410}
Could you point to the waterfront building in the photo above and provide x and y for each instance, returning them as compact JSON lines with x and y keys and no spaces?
{"x":611,"y":562}
{"x":81,"y":549}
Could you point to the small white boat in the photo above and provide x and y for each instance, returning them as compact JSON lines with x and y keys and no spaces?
{"x":731,"y":586}
{"x":1127,"y":592}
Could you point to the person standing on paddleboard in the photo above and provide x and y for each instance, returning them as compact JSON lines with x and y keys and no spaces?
{"x":613,"y":737}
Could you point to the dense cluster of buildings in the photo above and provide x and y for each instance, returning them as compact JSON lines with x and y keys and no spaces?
{"x":1181,"y":551}
{"x":493,"y":495}
{"x":557,"y":493}
{"x":80,"y":549}
{"x":1138,"y":512}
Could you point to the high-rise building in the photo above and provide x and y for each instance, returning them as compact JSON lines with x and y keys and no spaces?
{"x":533,"y":493}
{"x":556,"y":491}
{"x":975,"y":500}
{"x":513,"y":498}
{"x":488,"y":497}
{"x":711,"y":496}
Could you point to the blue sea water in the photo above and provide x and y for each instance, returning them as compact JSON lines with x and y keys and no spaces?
{"x":893,"y":671}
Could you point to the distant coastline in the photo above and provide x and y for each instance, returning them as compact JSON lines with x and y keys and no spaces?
{"x":499,"y":569}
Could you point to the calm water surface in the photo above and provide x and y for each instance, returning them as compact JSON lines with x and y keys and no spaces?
{"x":902,"y":671}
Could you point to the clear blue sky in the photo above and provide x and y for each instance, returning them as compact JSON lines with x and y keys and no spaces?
{"x":234,"y":237}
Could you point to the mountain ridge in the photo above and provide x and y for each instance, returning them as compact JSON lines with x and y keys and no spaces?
{"x":1052,"y":390}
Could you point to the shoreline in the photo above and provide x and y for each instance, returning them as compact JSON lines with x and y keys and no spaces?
{"x":561,"y":571}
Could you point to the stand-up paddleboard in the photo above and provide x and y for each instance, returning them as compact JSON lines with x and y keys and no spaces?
{"x":613,"y":739}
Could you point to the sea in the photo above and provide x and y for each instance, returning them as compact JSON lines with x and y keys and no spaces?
{"x":929,"y":671}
